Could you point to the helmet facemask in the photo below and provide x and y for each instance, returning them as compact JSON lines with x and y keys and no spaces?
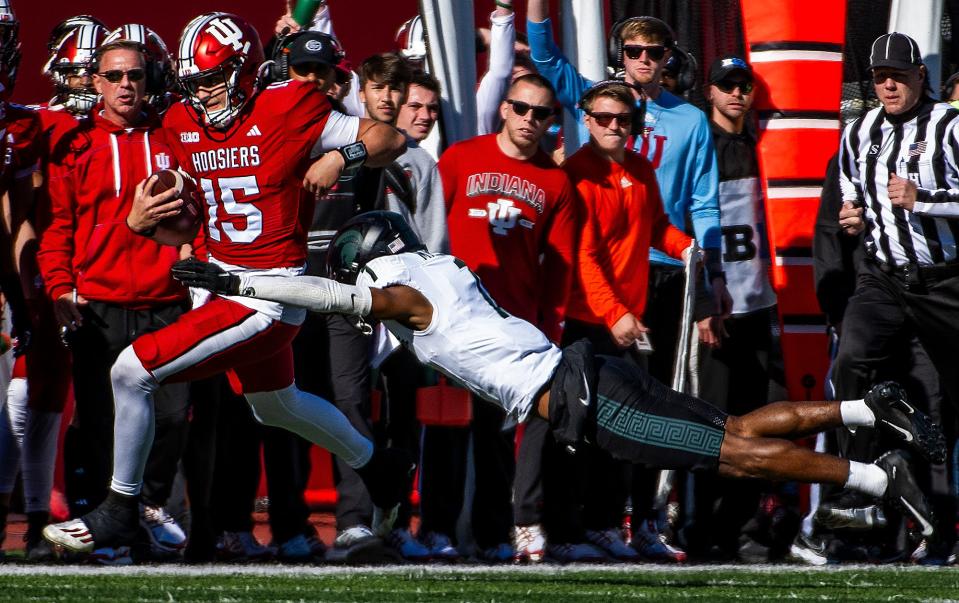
{"x":9,"y":53}
{"x":78,"y":100}
{"x":225,"y":76}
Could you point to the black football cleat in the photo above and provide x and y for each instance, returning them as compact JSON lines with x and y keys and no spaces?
{"x":109,"y":525}
{"x":903,"y":493}
{"x":389,"y":478}
{"x":896,"y":416}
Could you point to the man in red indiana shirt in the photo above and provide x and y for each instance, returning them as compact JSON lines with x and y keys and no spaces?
{"x":511,"y":217}
{"x":252,"y":153}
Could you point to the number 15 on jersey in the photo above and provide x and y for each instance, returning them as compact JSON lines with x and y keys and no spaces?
{"x":223,"y":194}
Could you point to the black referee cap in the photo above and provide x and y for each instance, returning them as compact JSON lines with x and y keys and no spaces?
{"x":895,"y":50}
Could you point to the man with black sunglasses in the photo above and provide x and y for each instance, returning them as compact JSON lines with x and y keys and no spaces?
{"x":735,"y":377}
{"x":511,"y":216}
{"x":622,"y":219}
{"x":108,"y":284}
{"x":675,"y":137}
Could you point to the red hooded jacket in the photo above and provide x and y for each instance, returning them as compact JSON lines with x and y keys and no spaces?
{"x":87,"y":246}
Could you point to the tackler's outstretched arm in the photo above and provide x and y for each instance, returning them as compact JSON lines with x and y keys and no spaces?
{"x":315,"y":293}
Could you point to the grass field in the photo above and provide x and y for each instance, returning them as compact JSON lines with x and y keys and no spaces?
{"x":416,"y":583}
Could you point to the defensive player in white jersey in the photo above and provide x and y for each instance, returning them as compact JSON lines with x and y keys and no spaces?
{"x":436,"y":306}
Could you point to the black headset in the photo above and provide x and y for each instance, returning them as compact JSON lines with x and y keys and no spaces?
{"x":687,"y":67}
{"x":615,"y":46}
{"x":280,"y":66}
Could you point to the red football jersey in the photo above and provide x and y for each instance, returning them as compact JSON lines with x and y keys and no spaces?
{"x":55,"y":122}
{"x":251,"y":174}
{"x":21,"y":145}
{"x":514,"y":224}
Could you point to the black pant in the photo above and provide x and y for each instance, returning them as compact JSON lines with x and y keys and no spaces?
{"x":402,"y":375}
{"x":881,"y":315}
{"x":734,"y":378}
{"x":332,"y":360}
{"x":221,"y":465}
{"x":444,"y":471}
{"x":88,"y":447}
{"x":608,"y":480}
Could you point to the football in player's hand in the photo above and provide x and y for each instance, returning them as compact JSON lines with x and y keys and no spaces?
{"x":180,"y":228}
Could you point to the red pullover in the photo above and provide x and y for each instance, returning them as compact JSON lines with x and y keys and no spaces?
{"x":625,"y":218}
{"x":87,"y":246}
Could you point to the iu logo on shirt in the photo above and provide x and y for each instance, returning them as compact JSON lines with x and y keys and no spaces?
{"x":652,"y":148}
{"x":503,"y":215}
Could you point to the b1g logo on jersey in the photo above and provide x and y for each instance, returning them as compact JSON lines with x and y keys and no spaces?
{"x":189,"y":137}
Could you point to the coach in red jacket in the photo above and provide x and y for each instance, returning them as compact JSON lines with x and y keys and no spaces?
{"x":110,"y":284}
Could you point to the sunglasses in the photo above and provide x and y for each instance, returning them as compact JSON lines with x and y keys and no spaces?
{"x":880,"y":77}
{"x":656,"y":53}
{"x":604,"y":119}
{"x":115,"y":76}
{"x":728,"y":86}
{"x":540,"y":113}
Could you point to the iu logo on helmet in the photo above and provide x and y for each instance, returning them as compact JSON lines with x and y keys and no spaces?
{"x":503,"y":215}
{"x":227,"y":32}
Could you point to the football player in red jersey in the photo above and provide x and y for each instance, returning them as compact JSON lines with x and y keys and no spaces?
{"x":69,"y":68}
{"x":29,"y":427}
{"x":253,"y":153}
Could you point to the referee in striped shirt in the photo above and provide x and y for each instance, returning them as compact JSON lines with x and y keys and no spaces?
{"x":900,"y":188}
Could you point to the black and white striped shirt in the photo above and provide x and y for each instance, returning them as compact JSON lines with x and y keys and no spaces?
{"x":922,"y":145}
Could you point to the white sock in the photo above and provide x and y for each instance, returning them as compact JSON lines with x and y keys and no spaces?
{"x":867,"y":478}
{"x":39,"y":458}
{"x":133,"y":423}
{"x":855,"y":414}
{"x":313,"y":418}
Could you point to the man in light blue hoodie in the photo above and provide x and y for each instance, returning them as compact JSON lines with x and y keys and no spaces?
{"x":676,"y":138}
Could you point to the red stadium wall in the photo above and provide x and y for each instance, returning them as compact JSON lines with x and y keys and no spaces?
{"x":361,"y":35}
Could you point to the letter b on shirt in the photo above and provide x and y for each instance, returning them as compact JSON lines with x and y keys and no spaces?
{"x":738,"y":245}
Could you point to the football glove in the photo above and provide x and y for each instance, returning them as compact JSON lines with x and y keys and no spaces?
{"x":204,"y":275}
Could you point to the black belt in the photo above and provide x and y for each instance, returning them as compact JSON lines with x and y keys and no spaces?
{"x":912,"y":274}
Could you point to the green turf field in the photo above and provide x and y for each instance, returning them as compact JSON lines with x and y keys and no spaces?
{"x":548,"y":583}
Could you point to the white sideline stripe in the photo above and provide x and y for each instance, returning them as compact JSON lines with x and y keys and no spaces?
{"x":774,"y":56}
{"x":414,"y":571}
{"x":791,"y":261}
{"x":798,"y":123}
{"x":794,"y":192}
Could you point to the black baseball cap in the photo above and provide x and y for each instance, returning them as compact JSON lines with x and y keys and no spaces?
{"x":895,"y":50}
{"x":312,"y":47}
{"x":724,"y":66}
